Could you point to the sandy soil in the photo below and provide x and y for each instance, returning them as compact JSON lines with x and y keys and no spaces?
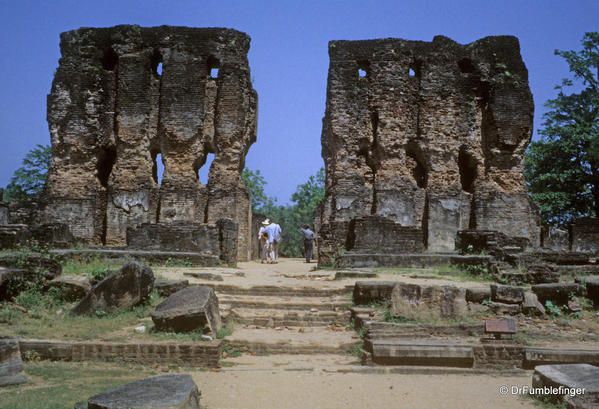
{"x":292,"y":273}
{"x":316,"y":389}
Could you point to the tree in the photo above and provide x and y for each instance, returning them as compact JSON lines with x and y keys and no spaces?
{"x":28,"y":181}
{"x":562,"y":168}
{"x":305,"y":201}
{"x":255,"y":183}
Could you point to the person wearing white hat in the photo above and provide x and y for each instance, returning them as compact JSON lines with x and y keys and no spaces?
{"x":274,"y":238}
{"x":264,"y":243}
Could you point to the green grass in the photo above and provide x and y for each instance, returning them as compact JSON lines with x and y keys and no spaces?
{"x":48,"y":317}
{"x":59,"y":385}
{"x":451,"y":272}
{"x":95,"y":267}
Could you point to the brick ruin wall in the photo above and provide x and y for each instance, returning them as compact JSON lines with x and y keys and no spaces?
{"x":428,"y":135}
{"x":585,"y":235}
{"x":126,"y":97}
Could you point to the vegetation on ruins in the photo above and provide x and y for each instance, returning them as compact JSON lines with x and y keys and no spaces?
{"x":305,"y":200}
{"x":28,"y":181}
{"x":562,"y":168}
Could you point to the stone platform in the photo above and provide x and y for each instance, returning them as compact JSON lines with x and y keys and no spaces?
{"x":410,"y":260}
{"x":194,"y":259}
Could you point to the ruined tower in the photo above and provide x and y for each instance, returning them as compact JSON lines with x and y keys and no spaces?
{"x":125,"y":98}
{"x":424,"y":139}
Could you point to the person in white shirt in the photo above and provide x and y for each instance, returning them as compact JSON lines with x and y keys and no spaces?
{"x":274,"y":238}
{"x":265,"y":247}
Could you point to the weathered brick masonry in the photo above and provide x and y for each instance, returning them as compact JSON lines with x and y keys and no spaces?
{"x":126,"y":97}
{"x":427,"y":135}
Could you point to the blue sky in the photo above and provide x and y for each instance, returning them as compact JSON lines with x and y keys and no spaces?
{"x":288,"y":57}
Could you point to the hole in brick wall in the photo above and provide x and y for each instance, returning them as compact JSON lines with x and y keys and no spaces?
{"x":415,"y":69}
{"x":419,"y":172}
{"x":213,"y":67}
{"x":202,"y":169}
{"x":110,"y":59}
{"x":363,"y":69}
{"x":156,"y":62}
{"x":157,"y":167}
{"x":468,"y":172}
{"x":466,"y":66}
{"x":106,"y":161}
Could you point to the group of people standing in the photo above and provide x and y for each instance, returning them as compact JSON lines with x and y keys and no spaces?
{"x":269,"y":237}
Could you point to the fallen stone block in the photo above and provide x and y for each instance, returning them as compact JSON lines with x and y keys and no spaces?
{"x":478,"y":295}
{"x":11,"y":364}
{"x":590,"y":401}
{"x":507,"y":294}
{"x":71,"y":287}
{"x":187,"y":310}
{"x":557,"y":293}
{"x":172,"y":391}
{"x":541,"y":274}
{"x":128,"y":287}
{"x":14,"y":235}
{"x":592,"y":286}
{"x":504,"y":309}
{"x":366,"y":292}
{"x":531,"y":305}
{"x":168,"y":287}
{"x":574,"y":376}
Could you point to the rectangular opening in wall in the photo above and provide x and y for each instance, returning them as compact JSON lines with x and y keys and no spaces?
{"x":157,"y":167}
{"x":213,"y":67}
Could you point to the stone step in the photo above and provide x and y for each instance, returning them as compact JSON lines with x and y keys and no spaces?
{"x":288,"y":318}
{"x":292,"y":341}
{"x":335,"y":303}
{"x":418,"y":352}
{"x":280,"y":291}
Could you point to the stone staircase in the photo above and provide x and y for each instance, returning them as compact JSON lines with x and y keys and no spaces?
{"x":288,"y":320}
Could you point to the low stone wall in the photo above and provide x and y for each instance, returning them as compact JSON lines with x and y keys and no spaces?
{"x":219,"y":239}
{"x":379,"y":234}
{"x":197,"y":354}
{"x":498,"y":356}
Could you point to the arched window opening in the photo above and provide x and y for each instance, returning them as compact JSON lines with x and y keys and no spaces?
{"x":363,"y":69}
{"x":106,"y":161}
{"x":202,"y":168}
{"x":157,"y":167}
{"x":415,"y":69}
{"x":110,"y":59}
{"x":213,"y":67}
{"x":156,"y":62}
{"x":468,"y":170}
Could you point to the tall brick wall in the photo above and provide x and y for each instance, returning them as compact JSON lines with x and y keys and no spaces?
{"x":125,"y":98}
{"x":429,"y":135}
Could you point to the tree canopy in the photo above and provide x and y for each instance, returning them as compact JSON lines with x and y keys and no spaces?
{"x":291,"y":217}
{"x":562,"y":168}
{"x":28,"y":181}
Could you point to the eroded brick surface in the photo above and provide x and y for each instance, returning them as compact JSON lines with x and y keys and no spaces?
{"x":428,"y":135}
{"x":125,"y":98}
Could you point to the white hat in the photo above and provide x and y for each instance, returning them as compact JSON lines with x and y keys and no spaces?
{"x":266,"y":222}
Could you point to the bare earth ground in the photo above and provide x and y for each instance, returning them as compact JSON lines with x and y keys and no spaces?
{"x":300,"y":382}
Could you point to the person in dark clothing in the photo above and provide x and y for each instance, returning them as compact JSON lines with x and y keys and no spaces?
{"x":309,"y":237}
